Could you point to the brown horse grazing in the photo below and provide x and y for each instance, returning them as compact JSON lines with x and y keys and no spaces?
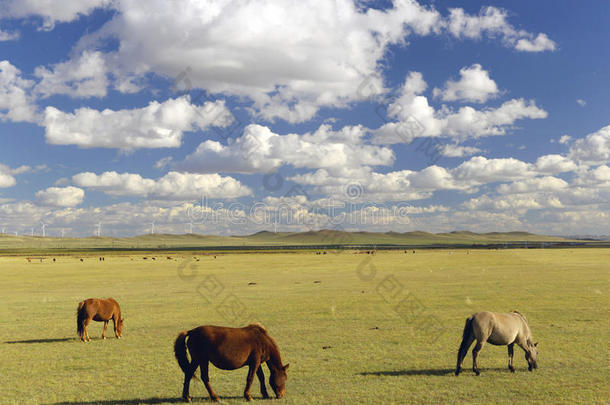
{"x":230,"y":349}
{"x":498,"y":329}
{"x":99,"y":310}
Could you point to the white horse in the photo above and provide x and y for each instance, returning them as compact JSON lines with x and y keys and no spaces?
{"x":498,"y":329}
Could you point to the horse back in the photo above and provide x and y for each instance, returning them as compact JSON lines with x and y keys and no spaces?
{"x":498,"y":327}
{"x":102,"y":309}
{"x":227,"y":348}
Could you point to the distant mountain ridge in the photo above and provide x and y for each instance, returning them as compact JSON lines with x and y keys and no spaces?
{"x":323,"y":237}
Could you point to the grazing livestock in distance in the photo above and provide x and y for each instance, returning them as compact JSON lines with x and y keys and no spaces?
{"x":499,"y":329}
{"x":230,"y":349}
{"x":99,"y":310}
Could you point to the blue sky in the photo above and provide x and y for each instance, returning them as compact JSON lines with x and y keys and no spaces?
{"x":231,"y":117}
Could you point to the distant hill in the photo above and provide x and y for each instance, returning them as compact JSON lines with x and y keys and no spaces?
{"x":323,"y":237}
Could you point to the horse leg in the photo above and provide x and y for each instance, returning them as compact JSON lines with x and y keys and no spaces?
{"x":187,"y":380}
{"x":86,"y":329}
{"x":510,"y":357}
{"x":206,"y":380}
{"x":475,"y":355}
{"x":114,"y":324}
{"x":466,"y":343}
{"x":104,"y":331}
{"x":261,"y":379}
{"x":251,"y":370}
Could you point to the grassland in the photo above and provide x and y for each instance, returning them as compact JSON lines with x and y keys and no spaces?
{"x":334,"y":316}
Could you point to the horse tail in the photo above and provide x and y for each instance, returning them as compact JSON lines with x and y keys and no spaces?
{"x":180,"y":352}
{"x":467,"y":338}
{"x":81,"y":316}
{"x":467,"y":335}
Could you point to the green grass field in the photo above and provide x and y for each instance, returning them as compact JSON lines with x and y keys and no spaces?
{"x":355,"y":328}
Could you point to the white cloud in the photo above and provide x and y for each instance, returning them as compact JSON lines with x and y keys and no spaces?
{"x":457,"y":150}
{"x":15,"y":103}
{"x":61,"y":197}
{"x":172,"y":186}
{"x":554,"y":164}
{"x":261,"y":150}
{"x":82,"y":77}
{"x":492,"y":21}
{"x":565,"y":139}
{"x":474,"y":85}
{"x":480,"y":170}
{"x":598,"y":177}
{"x":289,"y":58}
{"x":538,"y":44}
{"x":158,"y":125}
{"x":6,"y":177}
{"x":547,"y":183}
{"x":411,"y":107}
{"x":581,"y":102}
{"x":7,"y":174}
{"x":8,"y":36}
{"x":52,"y":11}
{"x":594,"y":148}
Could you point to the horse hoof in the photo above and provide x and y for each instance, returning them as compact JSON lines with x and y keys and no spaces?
{"x":477,"y":372}
{"x":187,"y":399}
{"x":512,"y":369}
{"x":457,"y":371}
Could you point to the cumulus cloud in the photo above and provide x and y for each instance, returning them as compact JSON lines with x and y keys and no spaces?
{"x":289,"y":58}
{"x":61,"y":196}
{"x":417,"y":118}
{"x":547,"y":183}
{"x":158,"y":125}
{"x":581,"y":102}
{"x":474,"y":85}
{"x":457,"y":150}
{"x":7,"y":174}
{"x":6,"y":177}
{"x":81,"y":77}
{"x":261,"y":150}
{"x":492,"y":22}
{"x":554,"y":164}
{"x":8,"y":36}
{"x":51,"y":11}
{"x":15,"y":102}
{"x":172,"y":186}
{"x":594,"y":148}
{"x":538,"y":44}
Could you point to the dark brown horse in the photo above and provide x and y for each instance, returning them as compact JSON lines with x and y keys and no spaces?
{"x":99,"y":310}
{"x":230,"y":349}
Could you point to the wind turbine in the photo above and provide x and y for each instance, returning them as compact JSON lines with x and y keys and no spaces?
{"x":99,"y":229}
{"x":43,"y":227}
{"x":63,"y":231}
{"x":152,"y":228}
{"x":32,"y":231}
{"x":190,"y":224}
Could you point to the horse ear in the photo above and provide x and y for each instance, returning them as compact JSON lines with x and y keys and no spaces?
{"x":536,"y":344}
{"x":286,"y":367}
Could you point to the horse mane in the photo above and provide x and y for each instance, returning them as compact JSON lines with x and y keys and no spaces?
{"x":263,"y":332}
{"x":514,"y":311}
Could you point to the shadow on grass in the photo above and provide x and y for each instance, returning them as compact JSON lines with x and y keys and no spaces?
{"x":430,"y":372}
{"x":11,"y":342}
{"x":147,"y":401}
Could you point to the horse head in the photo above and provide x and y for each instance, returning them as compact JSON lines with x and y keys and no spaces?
{"x":119,"y":327}
{"x":531,"y":355}
{"x":277,"y":380}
